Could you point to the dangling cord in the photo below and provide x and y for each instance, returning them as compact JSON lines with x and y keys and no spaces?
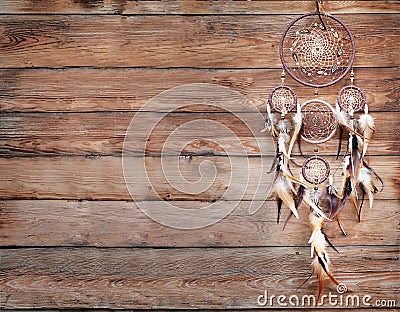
{"x":318,"y":2}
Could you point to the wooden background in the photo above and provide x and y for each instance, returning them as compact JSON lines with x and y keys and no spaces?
{"x":73,"y":74}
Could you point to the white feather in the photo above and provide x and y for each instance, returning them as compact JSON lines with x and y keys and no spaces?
{"x":366,"y":125}
{"x":307,"y":199}
{"x":281,"y":189}
{"x":366,"y":121}
{"x":282,"y":144}
{"x":365,"y":178}
{"x":298,"y":121}
{"x":342,"y":116}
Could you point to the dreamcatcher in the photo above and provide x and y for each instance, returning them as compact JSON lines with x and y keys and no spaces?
{"x":317,"y":50}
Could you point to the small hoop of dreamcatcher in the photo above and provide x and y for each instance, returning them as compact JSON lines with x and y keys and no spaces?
{"x":317,"y":50}
{"x":351,"y":99}
{"x":282,"y":99}
{"x":319,"y":121}
{"x":315,"y":170}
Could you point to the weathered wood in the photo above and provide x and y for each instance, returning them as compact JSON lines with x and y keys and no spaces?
{"x":192,"y":7}
{"x":87,"y":89}
{"x":137,"y":262}
{"x":227,"y":310}
{"x":174,"y":134}
{"x":182,"y":278}
{"x":175,"y":41}
{"x":122,"y":224}
{"x":102,"y":178}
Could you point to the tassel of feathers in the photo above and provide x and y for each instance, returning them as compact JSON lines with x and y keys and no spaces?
{"x":321,"y":261}
{"x":348,"y":190}
{"x":356,"y":171}
{"x":282,"y":187}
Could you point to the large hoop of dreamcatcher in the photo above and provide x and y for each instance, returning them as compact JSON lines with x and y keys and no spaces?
{"x":317,"y":50}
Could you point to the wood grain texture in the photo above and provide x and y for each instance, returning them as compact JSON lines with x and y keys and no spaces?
{"x":122,"y":224}
{"x":89,"y":90}
{"x":103,"y":134}
{"x":72,"y":75}
{"x":191,"y":7}
{"x":174,"y":41}
{"x":199,"y":178}
{"x":183,"y":278}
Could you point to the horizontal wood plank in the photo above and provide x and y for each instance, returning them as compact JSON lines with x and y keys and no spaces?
{"x":182,"y":278}
{"x":123,"y":224}
{"x":192,"y":7}
{"x":167,"y":178}
{"x":103,"y":134}
{"x":87,"y":89}
{"x":174,"y":41}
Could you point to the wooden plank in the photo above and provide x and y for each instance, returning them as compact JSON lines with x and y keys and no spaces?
{"x":192,"y":7}
{"x":121,"y":224}
{"x":173,"y":134}
{"x":175,"y":41}
{"x":234,"y":178}
{"x":217,"y":310}
{"x":88,"y":89}
{"x":182,"y":278}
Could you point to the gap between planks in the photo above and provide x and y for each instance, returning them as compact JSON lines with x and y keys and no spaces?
{"x":188,"y":7}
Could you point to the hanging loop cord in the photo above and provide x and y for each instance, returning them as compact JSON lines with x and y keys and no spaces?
{"x":319,"y":2}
